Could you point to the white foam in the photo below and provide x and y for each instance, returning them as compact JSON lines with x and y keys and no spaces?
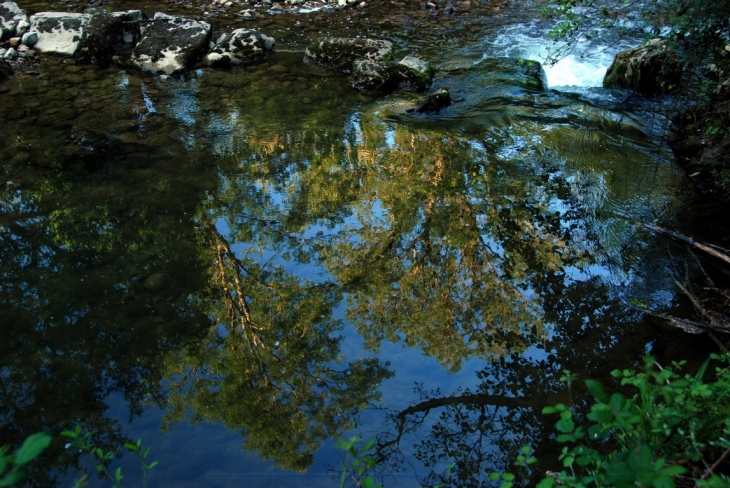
{"x":584,"y":67}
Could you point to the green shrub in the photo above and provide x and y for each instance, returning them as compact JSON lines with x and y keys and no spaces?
{"x":12,"y":466}
{"x":671,"y":427}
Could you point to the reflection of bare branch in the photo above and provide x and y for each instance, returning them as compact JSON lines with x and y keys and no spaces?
{"x":405,"y":423}
{"x":467,"y":399}
{"x":711,"y":249}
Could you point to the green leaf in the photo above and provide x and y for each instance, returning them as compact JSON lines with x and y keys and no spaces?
{"x":152,"y":465}
{"x":673,"y":470}
{"x":15,"y":477}
{"x":548,"y":482}
{"x":565,"y":425}
{"x":368,"y":482}
{"x":596,"y":389}
{"x":702,"y":370}
{"x":663,"y":482}
{"x":32,"y":447}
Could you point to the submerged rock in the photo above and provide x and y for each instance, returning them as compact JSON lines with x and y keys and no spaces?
{"x":58,"y":32}
{"x":432,"y":103}
{"x":11,"y":16}
{"x":241,"y":47}
{"x":170,"y":44}
{"x":6,"y":71}
{"x":382,"y":77}
{"x":106,"y":34}
{"x":650,"y":69}
{"x":339,"y":53}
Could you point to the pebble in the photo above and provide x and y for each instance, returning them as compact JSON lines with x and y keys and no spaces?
{"x":25,"y":51}
{"x":30,"y":38}
{"x":14,"y":41}
{"x":10,"y":54}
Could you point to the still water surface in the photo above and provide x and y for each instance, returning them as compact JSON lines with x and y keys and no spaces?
{"x":241,"y":266}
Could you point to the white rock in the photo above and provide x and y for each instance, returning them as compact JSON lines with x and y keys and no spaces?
{"x":170,"y":44}
{"x":10,"y":16}
{"x":11,"y":54}
{"x":58,"y":32}
{"x":130,"y":15}
{"x":241,"y":47}
{"x":22,"y":27}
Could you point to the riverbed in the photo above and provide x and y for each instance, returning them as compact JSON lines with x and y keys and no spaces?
{"x":240,"y":267}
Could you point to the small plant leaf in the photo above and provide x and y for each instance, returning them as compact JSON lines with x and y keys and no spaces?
{"x":15,"y":477}
{"x":32,"y":447}
{"x":596,"y":389}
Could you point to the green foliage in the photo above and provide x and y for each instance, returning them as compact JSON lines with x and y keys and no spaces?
{"x":12,"y":466}
{"x":671,"y":425}
{"x":357,"y":462}
{"x":84,"y":441}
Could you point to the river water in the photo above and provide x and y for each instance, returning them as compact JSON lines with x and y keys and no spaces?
{"x":240,"y":267}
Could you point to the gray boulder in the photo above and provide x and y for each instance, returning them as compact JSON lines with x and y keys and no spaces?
{"x":10,"y":16}
{"x":58,"y":32}
{"x":339,"y":53}
{"x":170,"y":44}
{"x":382,"y":77}
{"x":650,"y":69}
{"x":241,"y":47}
{"x":106,"y":34}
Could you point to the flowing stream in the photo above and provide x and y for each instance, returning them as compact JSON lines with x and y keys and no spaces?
{"x":240,"y":267}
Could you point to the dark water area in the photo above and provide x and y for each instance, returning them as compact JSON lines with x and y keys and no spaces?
{"x":242,"y":266}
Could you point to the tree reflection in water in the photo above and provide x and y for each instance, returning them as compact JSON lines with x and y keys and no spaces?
{"x":216,"y":267}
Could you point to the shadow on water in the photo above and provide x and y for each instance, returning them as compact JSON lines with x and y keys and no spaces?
{"x":263,"y":258}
